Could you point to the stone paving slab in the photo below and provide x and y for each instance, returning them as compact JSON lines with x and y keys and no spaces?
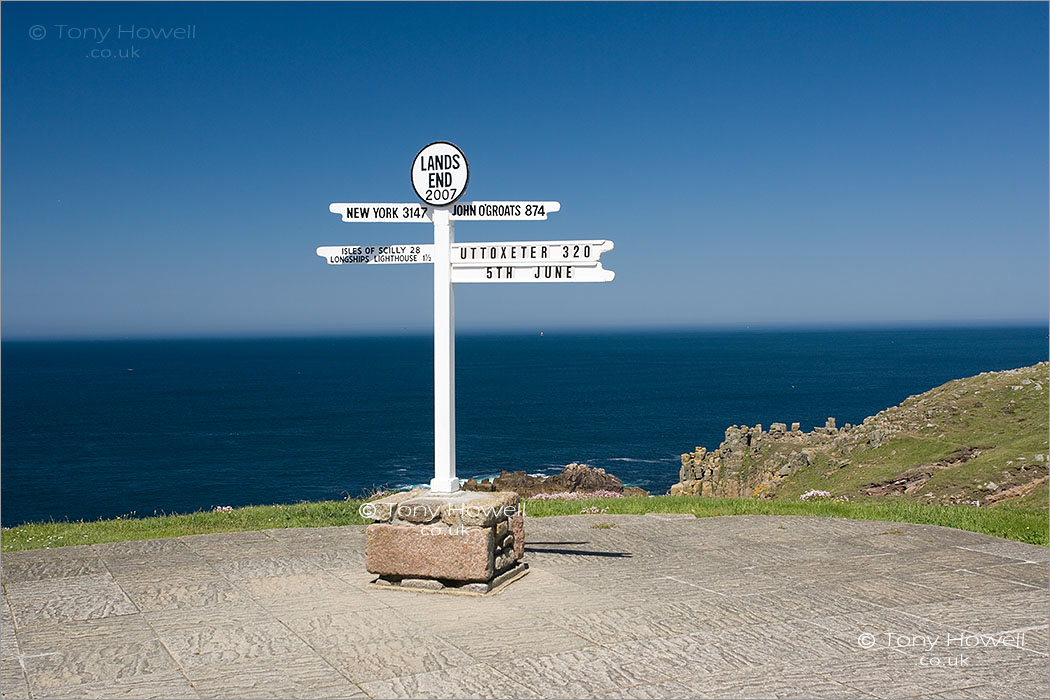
{"x":656,"y":606}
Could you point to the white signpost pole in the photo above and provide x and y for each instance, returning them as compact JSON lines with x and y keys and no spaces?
{"x":440,"y":173}
{"x":444,"y":480}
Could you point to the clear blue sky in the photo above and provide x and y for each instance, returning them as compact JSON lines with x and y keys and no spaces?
{"x":755,"y":164}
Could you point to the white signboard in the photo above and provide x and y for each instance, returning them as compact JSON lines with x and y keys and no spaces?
{"x":503,"y":211}
{"x":528,"y":252}
{"x":401,"y":212}
{"x":532,"y":273}
{"x":520,"y":254}
{"x":440,"y":173}
{"x":376,"y":254}
{"x":389,"y":212}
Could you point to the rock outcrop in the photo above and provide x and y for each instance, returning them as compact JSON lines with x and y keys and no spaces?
{"x":574,"y":477}
{"x":751,"y":461}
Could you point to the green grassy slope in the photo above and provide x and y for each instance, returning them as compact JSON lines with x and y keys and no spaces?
{"x":982,"y":439}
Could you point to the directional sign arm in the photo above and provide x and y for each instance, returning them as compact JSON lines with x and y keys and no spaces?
{"x":382,"y":213}
{"x":503,"y":211}
{"x":564,"y":256}
{"x":535,"y":273}
{"x":376,"y":254}
{"x":485,"y":254}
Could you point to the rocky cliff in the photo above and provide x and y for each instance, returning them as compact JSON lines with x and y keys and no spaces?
{"x":980,"y":438}
{"x":751,"y":461}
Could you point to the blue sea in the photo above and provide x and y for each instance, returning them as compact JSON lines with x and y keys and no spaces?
{"x":107,"y":428}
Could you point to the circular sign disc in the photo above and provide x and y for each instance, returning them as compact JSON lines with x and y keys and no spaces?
{"x":440,"y":173}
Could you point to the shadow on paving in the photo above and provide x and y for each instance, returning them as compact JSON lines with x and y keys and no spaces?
{"x":579,"y":552}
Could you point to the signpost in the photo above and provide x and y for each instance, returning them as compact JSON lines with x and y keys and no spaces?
{"x":439,"y":177}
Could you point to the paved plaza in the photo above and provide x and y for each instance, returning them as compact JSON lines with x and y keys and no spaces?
{"x":653,"y":606}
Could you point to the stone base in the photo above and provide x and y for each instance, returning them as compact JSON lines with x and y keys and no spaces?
{"x":466,"y":541}
{"x":426,"y":585}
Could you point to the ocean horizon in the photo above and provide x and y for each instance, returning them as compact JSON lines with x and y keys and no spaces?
{"x":100,"y":428}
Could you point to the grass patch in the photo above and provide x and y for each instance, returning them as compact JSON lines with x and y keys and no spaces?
{"x":64,"y":533}
{"x":1022,"y":524}
{"x":1016,"y":523}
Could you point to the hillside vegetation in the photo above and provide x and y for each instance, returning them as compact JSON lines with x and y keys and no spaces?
{"x":979,"y":440}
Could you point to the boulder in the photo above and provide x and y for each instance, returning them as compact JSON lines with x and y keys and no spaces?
{"x":575,"y":477}
{"x":581,"y":477}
